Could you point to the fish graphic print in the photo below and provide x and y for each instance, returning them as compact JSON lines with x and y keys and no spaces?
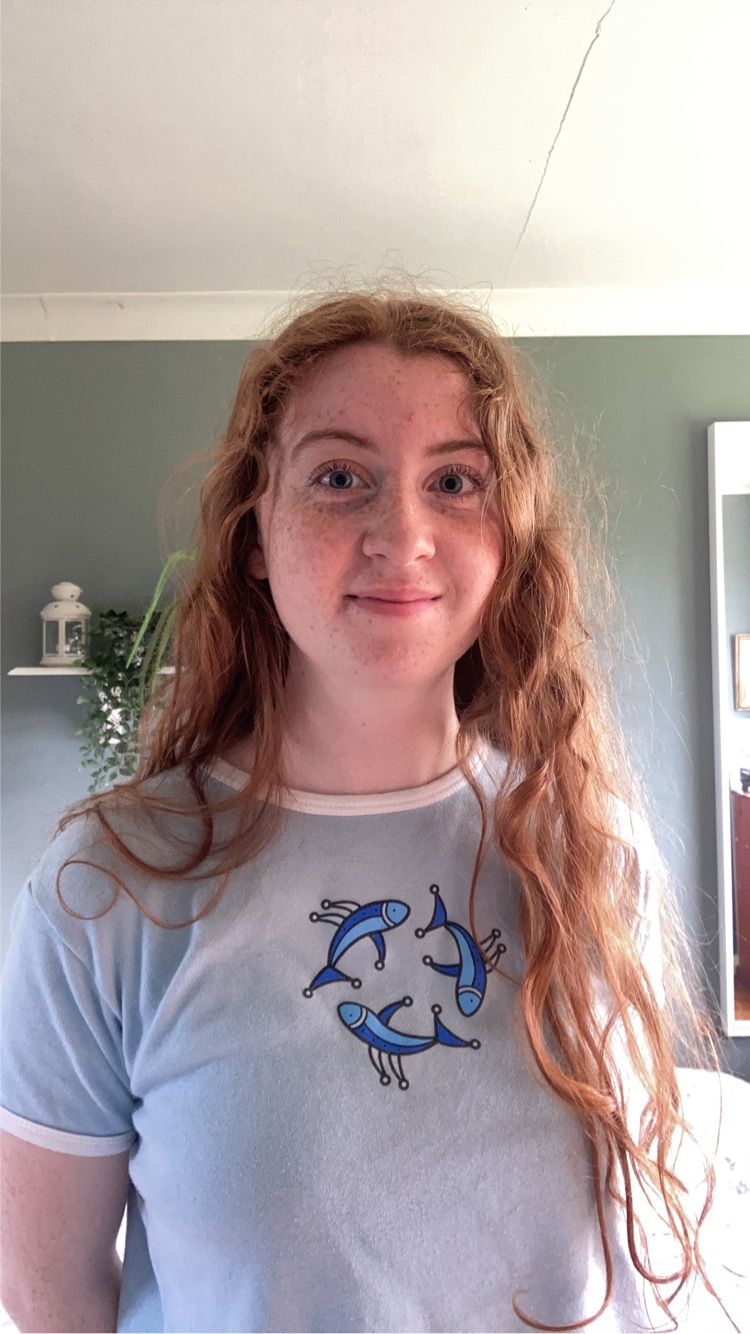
{"x":470,"y":972}
{"x":382,"y":1040}
{"x":388,"y":1046}
{"x":355,"y":923}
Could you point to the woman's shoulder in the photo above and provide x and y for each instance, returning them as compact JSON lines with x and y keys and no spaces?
{"x":128,"y":810}
{"x":122,"y":841}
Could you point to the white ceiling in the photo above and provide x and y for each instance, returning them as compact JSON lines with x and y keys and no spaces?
{"x":560,"y":156}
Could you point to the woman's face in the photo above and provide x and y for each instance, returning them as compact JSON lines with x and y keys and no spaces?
{"x":378,"y":482}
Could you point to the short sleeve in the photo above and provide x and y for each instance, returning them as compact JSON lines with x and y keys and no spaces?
{"x":63,"y":1083}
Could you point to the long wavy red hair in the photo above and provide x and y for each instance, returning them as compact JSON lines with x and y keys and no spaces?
{"x":532,"y":685}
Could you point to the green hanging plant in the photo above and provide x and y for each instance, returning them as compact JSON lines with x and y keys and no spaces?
{"x":126,"y":654}
{"x":111,"y":698}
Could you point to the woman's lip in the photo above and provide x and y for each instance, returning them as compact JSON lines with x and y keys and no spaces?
{"x":383,"y":597}
{"x":385,"y":607}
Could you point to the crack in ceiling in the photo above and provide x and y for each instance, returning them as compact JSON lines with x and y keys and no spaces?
{"x":571,"y":95}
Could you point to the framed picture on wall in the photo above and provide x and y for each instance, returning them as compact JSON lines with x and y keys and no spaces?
{"x":742,"y":672}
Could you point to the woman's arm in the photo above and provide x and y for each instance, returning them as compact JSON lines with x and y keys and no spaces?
{"x":60,"y":1215}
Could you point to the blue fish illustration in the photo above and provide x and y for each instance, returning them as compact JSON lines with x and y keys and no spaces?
{"x":470,"y":971}
{"x":384,"y":1041}
{"x":355,"y":923}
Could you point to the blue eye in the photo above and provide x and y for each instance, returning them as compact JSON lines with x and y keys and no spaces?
{"x":340,"y":480}
{"x":336,"y":475}
{"x":456,"y":471}
{"x":455,"y":490}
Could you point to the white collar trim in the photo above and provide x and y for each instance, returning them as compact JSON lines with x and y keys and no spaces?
{"x":369,"y":803}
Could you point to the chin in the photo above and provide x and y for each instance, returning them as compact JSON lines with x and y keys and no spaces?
{"x":384,"y":673}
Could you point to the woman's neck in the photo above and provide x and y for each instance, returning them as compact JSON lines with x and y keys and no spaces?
{"x":368,"y":760}
{"x":342,"y":742}
{"x":351,"y":736}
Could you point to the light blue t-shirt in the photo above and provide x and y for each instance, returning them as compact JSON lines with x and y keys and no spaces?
{"x":333,"y":1116}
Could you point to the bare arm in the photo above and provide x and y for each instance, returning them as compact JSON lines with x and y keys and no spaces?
{"x":60,"y":1215}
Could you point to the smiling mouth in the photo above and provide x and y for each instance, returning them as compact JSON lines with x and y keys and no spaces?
{"x":391,"y":602}
{"x":399,"y":601}
{"x":399,"y":607}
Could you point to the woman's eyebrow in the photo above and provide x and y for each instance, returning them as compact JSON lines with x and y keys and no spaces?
{"x":353,"y":438}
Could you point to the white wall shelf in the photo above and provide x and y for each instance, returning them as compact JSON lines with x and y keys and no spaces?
{"x":66,"y":671}
{"x":49,"y":671}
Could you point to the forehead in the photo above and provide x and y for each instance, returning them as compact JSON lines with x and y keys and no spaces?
{"x":379,"y":384}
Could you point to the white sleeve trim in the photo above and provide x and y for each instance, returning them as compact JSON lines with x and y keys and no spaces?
{"x":63,"y":1141}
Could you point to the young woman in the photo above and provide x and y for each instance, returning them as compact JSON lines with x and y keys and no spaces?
{"x":358,"y":992}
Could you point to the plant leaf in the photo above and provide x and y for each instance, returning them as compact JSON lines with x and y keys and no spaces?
{"x":173,"y":561}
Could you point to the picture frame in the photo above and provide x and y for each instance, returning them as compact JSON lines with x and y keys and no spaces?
{"x":742,"y":673}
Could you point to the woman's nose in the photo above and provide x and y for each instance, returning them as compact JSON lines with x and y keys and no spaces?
{"x":398,"y":527}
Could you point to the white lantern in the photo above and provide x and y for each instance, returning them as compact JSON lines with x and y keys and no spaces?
{"x":65,"y":627}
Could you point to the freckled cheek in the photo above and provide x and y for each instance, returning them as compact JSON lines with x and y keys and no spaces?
{"x":307,"y":556}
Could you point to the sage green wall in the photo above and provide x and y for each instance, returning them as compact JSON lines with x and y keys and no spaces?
{"x":91,"y":431}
